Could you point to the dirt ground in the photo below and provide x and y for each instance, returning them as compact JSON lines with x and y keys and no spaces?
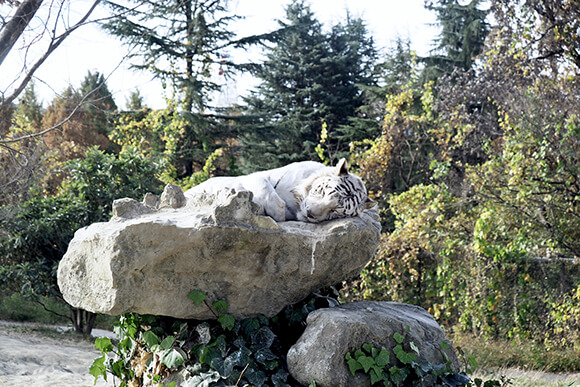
{"x":519,"y":378}
{"x":30,"y":359}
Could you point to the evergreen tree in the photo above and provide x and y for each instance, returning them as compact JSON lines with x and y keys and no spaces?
{"x":182,"y":43}
{"x":398,"y":70}
{"x":97,"y":102}
{"x":178,"y":41}
{"x":352,"y":69}
{"x":462,"y":37}
{"x":286,"y":105}
{"x":29,"y":106}
{"x":310,"y":80}
{"x":22,"y":160}
{"x":135,"y":101}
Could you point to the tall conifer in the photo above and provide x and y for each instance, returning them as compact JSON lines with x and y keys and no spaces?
{"x":310,"y":79}
{"x":183,"y":42}
{"x":462,"y":37}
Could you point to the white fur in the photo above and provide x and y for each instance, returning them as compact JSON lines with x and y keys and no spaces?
{"x":286,"y":193}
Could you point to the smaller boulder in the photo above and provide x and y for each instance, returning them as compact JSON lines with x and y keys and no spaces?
{"x":319,"y":354}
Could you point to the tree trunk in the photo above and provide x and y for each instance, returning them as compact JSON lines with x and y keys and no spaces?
{"x":15,"y":26}
{"x":83,"y":321}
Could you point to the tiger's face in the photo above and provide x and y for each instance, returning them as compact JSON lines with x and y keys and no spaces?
{"x":332,"y":196}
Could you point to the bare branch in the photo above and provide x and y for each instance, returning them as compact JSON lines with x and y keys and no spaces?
{"x":56,"y":41}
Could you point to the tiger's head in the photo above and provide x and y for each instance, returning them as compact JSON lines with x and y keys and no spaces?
{"x":333,"y":194}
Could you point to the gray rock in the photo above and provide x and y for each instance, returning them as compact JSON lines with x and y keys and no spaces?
{"x":150,"y":255}
{"x":172,"y":197}
{"x":319,"y":354}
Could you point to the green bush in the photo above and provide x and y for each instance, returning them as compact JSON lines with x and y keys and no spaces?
{"x":36,"y":233}
{"x":470,"y":267}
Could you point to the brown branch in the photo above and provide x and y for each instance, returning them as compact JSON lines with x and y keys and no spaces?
{"x":242,"y":374}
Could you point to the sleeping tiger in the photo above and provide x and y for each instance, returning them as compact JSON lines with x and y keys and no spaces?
{"x":306,"y":191}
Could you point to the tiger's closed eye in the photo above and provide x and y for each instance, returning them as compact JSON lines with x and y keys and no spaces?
{"x":318,"y":191}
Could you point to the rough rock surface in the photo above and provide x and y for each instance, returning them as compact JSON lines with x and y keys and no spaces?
{"x":319,"y":354}
{"x":150,"y":255}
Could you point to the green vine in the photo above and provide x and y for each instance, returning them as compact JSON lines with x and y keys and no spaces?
{"x":141,"y":355}
{"x":402,"y":367}
{"x":221,"y":352}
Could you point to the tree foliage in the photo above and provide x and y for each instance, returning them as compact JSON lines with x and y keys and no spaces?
{"x":21,"y":162}
{"x":82,"y":118}
{"x":463,"y":32}
{"x":182,"y":43}
{"x":492,"y":224}
{"x":178,"y":41}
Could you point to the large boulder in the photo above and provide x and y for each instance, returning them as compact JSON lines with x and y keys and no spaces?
{"x":319,"y":354}
{"x":151,"y":255}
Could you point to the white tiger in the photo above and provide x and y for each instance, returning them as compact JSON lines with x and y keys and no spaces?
{"x":306,"y":191}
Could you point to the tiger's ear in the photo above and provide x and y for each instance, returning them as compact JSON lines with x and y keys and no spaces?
{"x":369,"y":203}
{"x":342,"y":167}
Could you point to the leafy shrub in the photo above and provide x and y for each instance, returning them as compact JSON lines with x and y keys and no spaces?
{"x":36,"y":233}
{"x":469,"y":266}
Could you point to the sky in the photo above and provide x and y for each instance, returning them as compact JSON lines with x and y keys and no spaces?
{"x":91,"y":49}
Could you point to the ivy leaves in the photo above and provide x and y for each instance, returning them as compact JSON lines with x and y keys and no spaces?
{"x":225,"y":352}
{"x":218,"y":308}
{"x":142,"y":347}
{"x":371,"y":361}
{"x":244,"y":350}
{"x":403,"y":368}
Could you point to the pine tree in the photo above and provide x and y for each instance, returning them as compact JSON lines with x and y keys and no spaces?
{"x":462,"y":37}
{"x":310,"y":80}
{"x":97,"y":102}
{"x":352,"y":69}
{"x":182,"y":42}
{"x":286,"y":103}
{"x":135,"y":101}
{"x":178,"y":41}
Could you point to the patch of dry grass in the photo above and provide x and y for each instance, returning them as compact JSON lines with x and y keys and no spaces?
{"x":525,"y":355}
